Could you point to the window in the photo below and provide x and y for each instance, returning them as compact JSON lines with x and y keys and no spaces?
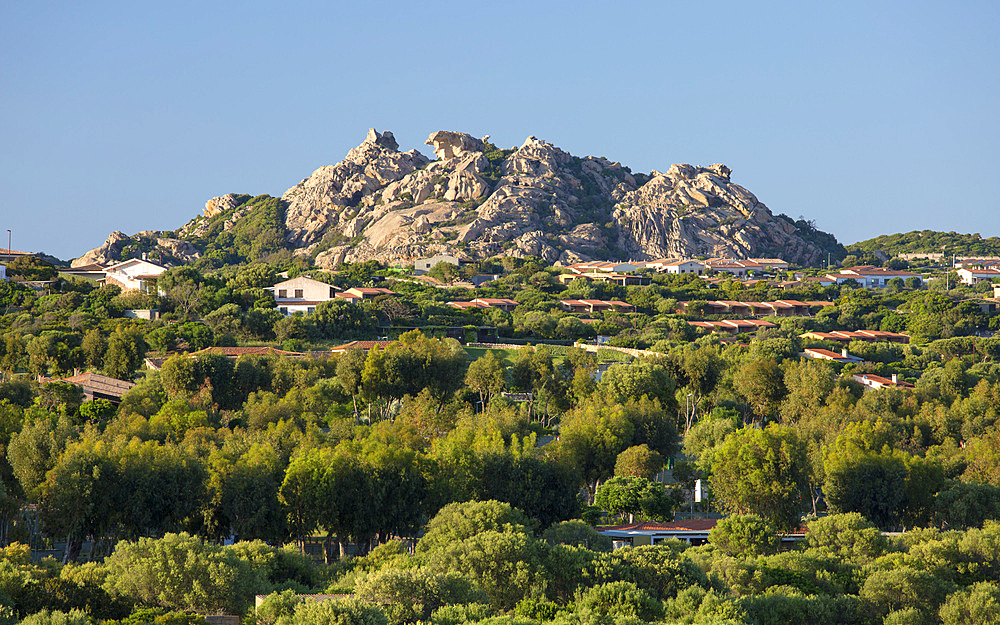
{"x":333,"y":292}
{"x":311,"y":310}
{"x":282,"y":293}
{"x":283,"y":311}
{"x":298,"y":293}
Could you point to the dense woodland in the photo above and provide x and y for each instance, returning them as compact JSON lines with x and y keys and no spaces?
{"x":404,"y":478}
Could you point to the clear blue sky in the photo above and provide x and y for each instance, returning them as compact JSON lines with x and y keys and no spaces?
{"x":867,"y":117}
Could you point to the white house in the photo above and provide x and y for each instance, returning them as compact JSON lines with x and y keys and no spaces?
{"x":871,"y":277}
{"x":133,"y":274}
{"x":734,"y":266}
{"x":3,"y":271}
{"x":825,"y":354}
{"x":771,"y":264}
{"x":975,"y":276}
{"x":301,"y":294}
{"x":684,"y":266}
{"x":602,"y":265}
{"x":423,"y":265}
{"x":356,"y":294}
{"x":876,"y":381}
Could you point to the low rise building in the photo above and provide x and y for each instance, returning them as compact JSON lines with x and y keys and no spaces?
{"x":845,"y":336}
{"x":301,"y":295}
{"x":771,"y":264}
{"x":423,"y":265}
{"x":733,"y":326}
{"x":876,"y":381}
{"x":683,"y":265}
{"x":357,"y":294}
{"x":97,"y":386}
{"x":824,"y":354}
{"x":975,"y":276}
{"x":595,"y":305}
{"x":870,"y":277}
{"x":133,"y":275}
{"x":92,"y":271}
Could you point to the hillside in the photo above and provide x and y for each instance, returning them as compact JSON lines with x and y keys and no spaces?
{"x":929,"y":241}
{"x":477,"y":200}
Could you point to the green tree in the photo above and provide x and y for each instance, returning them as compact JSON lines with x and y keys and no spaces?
{"x":337,"y":612}
{"x":411,"y":595}
{"x":762,"y":384}
{"x":904,"y":588}
{"x":639,"y":461}
{"x":181,"y":572}
{"x":744,"y":535}
{"x":94,"y":346}
{"x":486,"y":376}
{"x":456,"y":522}
{"x":977,"y":605}
{"x":632,"y":381}
{"x":636,"y":495}
{"x":126,"y":350}
{"x":762,"y":472}
{"x":849,"y":536}
{"x":578,"y":533}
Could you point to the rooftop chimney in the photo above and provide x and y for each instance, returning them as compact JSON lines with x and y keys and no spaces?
{"x":144,"y":255}
{"x":895,"y":377}
{"x":843,"y":352}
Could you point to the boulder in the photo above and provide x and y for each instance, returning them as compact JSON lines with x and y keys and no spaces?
{"x":448,"y":144}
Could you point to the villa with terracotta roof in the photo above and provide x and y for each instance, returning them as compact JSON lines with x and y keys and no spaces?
{"x":692,"y":531}
{"x":824,"y":354}
{"x":357,"y":294}
{"x":97,"y":386}
{"x":871,"y":277}
{"x":486,"y":302}
{"x":975,"y":276}
{"x":362,"y":345}
{"x":734,"y":266}
{"x":622,"y":279}
{"x":876,"y":382}
{"x":594,"y":305}
{"x":592,"y":266}
{"x":771,"y":264}
{"x":733,"y":326}
{"x":844,"y":336}
{"x":7,"y":255}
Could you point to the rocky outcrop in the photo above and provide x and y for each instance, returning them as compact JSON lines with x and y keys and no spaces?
{"x":691,"y":211}
{"x":532,"y":200}
{"x":104,"y":254}
{"x":448,"y":144}
{"x":222,"y":204}
{"x":319,"y":201}
{"x":176,"y":251}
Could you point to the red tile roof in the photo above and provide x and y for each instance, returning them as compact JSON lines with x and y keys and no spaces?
{"x":690,"y":525}
{"x":365,"y":345}
{"x":236,"y":352}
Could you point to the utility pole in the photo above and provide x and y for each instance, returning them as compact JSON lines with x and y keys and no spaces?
{"x":8,"y":240}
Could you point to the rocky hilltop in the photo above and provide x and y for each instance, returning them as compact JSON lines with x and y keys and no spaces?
{"x":477,"y":200}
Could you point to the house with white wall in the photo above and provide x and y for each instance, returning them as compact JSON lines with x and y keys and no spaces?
{"x":975,"y":276}
{"x":301,"y":294}
{"x":870,"y":277}
{"x":3,"y":271}
{"x":684,"y":266}
{"x":133,"y":274}
{"x":423,"y":265}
